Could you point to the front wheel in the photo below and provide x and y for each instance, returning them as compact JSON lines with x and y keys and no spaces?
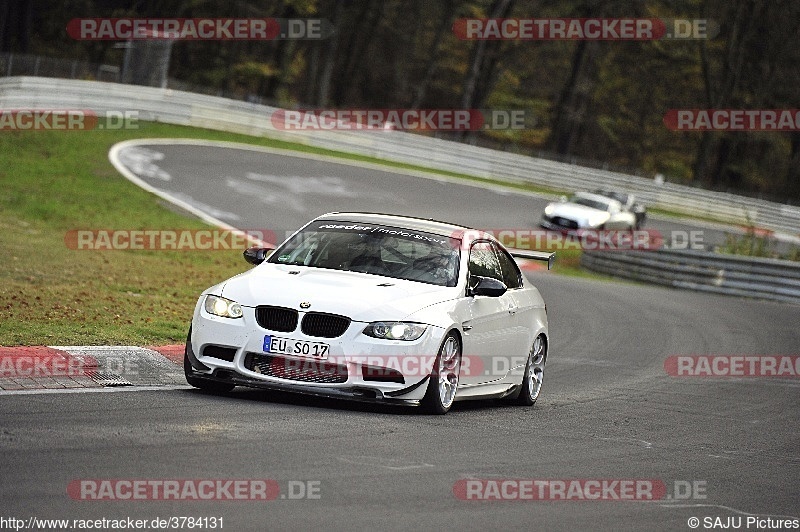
{"x":443,"y":383}
{"x":534,"y":373}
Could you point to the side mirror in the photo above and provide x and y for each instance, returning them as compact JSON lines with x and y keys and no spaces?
{"x":487,"y":287}
{"x":256,"y":255}
{"x":563,"y":199}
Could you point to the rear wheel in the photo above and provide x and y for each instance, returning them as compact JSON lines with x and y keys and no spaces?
{"x":534,"y":373}
{"x":197,"y":382}
{"x":443,"y":383}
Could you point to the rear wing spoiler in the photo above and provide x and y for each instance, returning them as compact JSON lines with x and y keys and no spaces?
{"x":547,"y":256}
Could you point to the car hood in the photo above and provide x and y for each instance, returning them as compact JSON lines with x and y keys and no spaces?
{"x":356,"y":295}
{"x":585,"y":216}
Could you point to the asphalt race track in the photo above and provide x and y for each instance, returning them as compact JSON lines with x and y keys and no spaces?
{"x":249,"y":190}
{"x":609,"y":410}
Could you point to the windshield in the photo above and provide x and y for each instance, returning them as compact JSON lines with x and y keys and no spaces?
{"x":374,"y":249}
{"x":586,"y":202}
{"x":619,"y":196}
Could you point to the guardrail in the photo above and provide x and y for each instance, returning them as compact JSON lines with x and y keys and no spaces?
{"x":185,"y":108}
{"x":754,"y":277}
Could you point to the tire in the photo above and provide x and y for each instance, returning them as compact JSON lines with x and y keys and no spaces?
{"x":443,"y":384}
{"x":531,"y":385}
{"x":202,"y":384}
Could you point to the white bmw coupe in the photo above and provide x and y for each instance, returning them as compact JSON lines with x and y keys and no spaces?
{"x":375,"y":307}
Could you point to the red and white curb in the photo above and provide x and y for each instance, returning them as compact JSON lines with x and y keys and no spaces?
{"x":531,"y":265}
{"x":30,"y":368}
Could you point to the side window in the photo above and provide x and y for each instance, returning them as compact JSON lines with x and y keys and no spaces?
{"x":512,"y":277}
{"x":483,"y":261}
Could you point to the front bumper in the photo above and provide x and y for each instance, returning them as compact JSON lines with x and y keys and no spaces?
{"x":354,"y":393}
{"x":568,"y":231}
{"x":363,"y":368}
{"x":553,"y":225}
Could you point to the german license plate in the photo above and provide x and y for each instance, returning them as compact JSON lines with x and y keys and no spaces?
{"x":300,"y":348}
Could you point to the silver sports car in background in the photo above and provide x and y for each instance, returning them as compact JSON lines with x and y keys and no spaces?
{"x":586,"y":211}
{"x":376,"y":308}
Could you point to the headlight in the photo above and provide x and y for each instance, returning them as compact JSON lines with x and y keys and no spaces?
{"x":219,"y":306}
{"x":395,"y":330}
{"x":549,"y":210}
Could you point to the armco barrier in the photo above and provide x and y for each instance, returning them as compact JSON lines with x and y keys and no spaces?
{"x":185,"y":108}
{"x":760,"y":278}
